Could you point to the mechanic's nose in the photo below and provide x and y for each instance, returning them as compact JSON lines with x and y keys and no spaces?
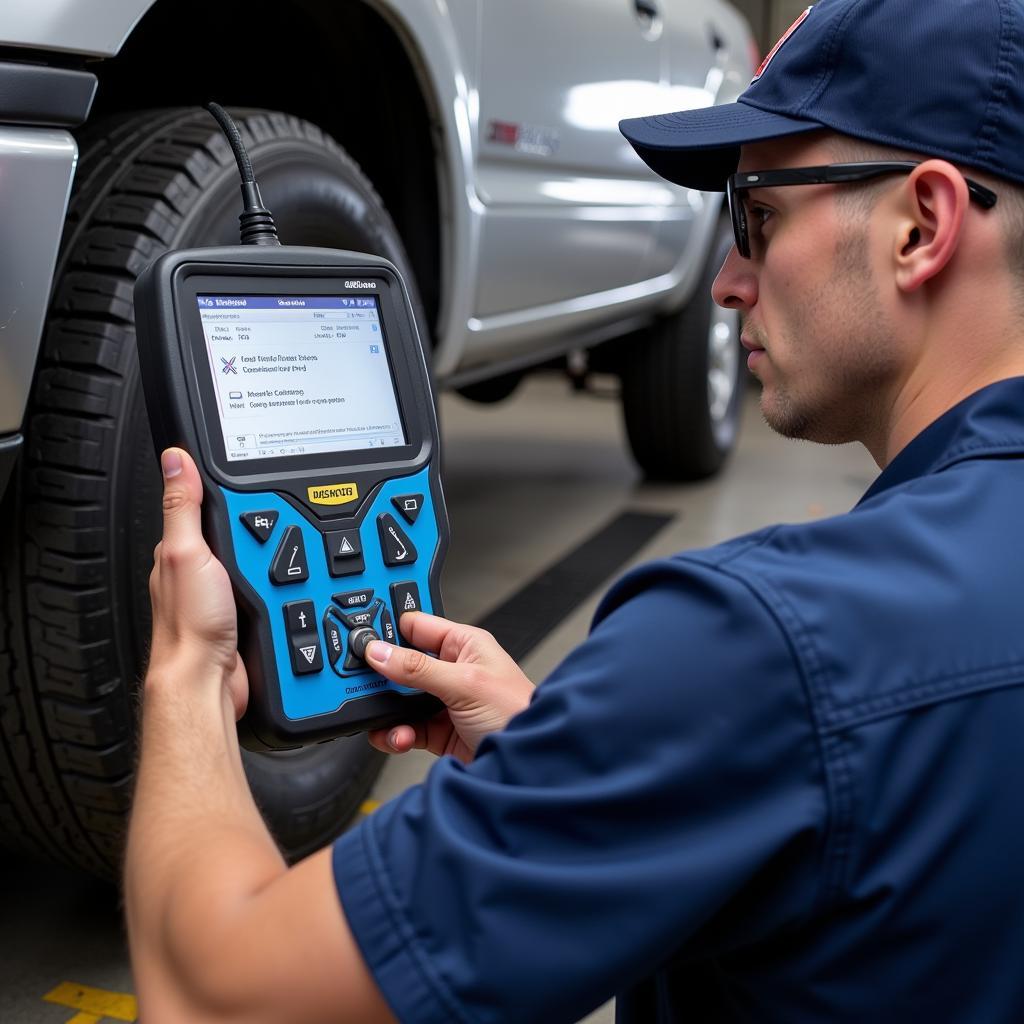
{"x":736,"y":284}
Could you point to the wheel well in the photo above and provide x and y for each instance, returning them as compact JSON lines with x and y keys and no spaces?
{"x":341,"y":66}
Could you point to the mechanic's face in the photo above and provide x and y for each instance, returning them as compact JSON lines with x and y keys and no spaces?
{"x":823,"y":347}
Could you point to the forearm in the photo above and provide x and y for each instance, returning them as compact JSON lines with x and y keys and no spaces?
{"x":198,"y":850}
{"x":219,"y":929}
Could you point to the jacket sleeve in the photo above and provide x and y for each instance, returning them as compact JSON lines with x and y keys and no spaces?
{"x":660,"y":779}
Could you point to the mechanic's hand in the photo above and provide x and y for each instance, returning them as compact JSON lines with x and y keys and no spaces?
{"x":194,"y":617}
{"x":481,"y":686}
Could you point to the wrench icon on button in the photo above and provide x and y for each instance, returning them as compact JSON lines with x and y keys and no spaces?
{"x":399,"y":556}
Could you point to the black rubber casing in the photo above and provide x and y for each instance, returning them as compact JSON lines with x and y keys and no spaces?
{"x":180,"y":402}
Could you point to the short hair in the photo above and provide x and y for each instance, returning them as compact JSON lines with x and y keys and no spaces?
{"x":861,"y":201}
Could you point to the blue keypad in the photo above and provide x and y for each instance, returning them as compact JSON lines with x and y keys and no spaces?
{"x":296,"y":570}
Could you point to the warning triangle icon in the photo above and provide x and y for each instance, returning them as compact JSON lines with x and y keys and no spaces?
{"x":309,"y":653}
{"x":346,"y":548}
{"x":410,"y":604}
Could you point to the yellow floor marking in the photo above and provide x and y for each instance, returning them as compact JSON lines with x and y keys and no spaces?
{"x":95,"y":1003}
{"x":369,"y":806}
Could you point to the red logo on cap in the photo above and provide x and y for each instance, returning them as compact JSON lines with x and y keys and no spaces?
{"x":778,"y":46}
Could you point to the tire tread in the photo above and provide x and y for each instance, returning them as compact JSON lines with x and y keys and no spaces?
{"x":67,"y":714}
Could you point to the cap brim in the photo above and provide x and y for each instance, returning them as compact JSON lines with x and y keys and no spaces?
{"x":701,"y":148}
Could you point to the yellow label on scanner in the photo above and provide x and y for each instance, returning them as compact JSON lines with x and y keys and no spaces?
{"x":333,"y":494}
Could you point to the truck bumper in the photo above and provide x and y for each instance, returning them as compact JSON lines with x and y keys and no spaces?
{"x":36,"y":166}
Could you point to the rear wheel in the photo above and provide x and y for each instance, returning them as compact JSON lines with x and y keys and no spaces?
{"x":682,"y":384}
{"x":493,"y":389}
{"x":83,"y":515}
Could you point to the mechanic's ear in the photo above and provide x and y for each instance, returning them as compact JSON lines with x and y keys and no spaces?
{"x":931,"y":224}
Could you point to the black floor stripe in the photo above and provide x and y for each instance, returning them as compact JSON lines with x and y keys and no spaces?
{"x":530,"y":614}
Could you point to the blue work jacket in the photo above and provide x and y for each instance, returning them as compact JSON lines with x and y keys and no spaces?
{"x":783,"y":780}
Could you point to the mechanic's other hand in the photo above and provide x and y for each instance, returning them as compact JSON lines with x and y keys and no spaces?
{"x":194,"y":619}
{"x":480,"y":685}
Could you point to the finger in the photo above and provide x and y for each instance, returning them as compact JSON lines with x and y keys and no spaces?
{"x":378,"y":739}
{"x":183,"y":494}
{"x":429,"y":632}
{"x":413,"y":668}
{"x":397,"y":740}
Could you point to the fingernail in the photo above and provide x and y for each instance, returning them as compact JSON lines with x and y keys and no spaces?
{"x":393,"y":739}
{"x":380,"y":652}
{"x":170,"y":462}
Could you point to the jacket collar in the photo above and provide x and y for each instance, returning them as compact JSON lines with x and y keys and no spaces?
{"x":988,"y":423}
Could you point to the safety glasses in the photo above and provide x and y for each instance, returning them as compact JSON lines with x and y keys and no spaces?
{"x":827,"y":174}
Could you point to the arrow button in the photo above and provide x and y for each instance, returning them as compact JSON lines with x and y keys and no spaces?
{"x":344,"y":552}
{"x":387,"y":627}
{"x":365,"y":617}
{"x":353,"y":598}
{"x":335,"y":639}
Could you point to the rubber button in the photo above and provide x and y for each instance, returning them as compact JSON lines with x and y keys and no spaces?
{"x":303,"y":639}
{"x":335,"y":640}
{"x":387,"y":627}
{"x":405,"y":597}
{"x":363,"y":617}
{"x":394,"y":543}
{"x":299,"y":617}
{"x":352,"y":663}
{"x":289,"y":564}
{"x":359,"y":640}
{"x":260,"y":524}
{"x":353,"y":598}
{"x":344,"y":553}
{"x":353,"y":620}
{"x":306,"y":656}
{"x":409,"y":505}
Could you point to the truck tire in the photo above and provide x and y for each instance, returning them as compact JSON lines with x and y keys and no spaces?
{"x":492,"y":390}
{"x":682,"y":383}
{"x":83,"y":515}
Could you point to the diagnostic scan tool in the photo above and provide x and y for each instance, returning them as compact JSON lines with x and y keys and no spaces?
{"x":296,"y":379}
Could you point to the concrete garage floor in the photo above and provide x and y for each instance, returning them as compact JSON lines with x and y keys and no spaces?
{"x":526,"y":481}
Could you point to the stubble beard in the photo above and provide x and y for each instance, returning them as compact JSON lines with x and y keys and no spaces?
{"x":841,"y":327}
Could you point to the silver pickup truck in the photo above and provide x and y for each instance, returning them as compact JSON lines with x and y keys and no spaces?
{"x":472,"y":142}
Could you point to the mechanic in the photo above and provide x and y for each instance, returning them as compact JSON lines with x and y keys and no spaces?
{"x":781,"y":779}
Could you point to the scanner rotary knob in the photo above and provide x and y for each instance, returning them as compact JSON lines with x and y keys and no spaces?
{"x":359,"y":639}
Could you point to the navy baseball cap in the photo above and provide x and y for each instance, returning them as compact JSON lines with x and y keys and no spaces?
{"x":939,"y":77}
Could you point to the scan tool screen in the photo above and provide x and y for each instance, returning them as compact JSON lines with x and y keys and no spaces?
{"x":300,"y":375}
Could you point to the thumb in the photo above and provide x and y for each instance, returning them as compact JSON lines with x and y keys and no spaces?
{"x":410,"y":667}
{"x":183,"y":494}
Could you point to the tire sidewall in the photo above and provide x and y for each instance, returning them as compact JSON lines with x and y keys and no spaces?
{"x":304,"y":794}
{"x":318,"y":196}
{"x":665,"y":391}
